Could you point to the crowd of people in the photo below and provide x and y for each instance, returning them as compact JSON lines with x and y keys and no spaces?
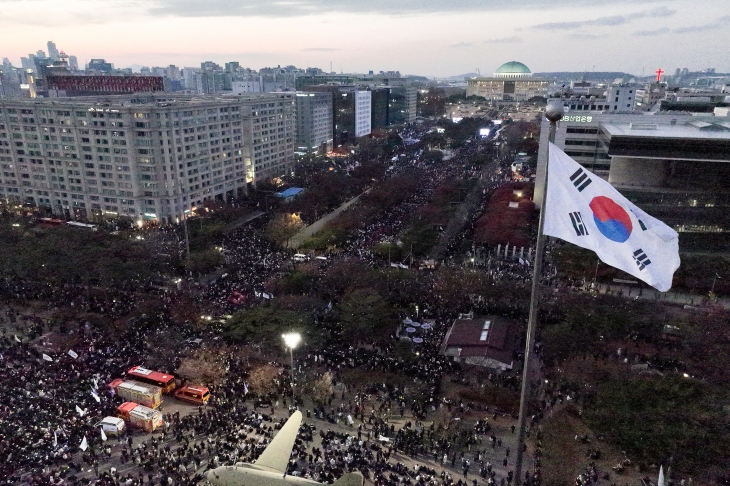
{"x":53,"y":400}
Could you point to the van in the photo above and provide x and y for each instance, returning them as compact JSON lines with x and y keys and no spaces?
{"x":298,"y":257}
{"x":193,"y":393}
{"x":111,"y":425}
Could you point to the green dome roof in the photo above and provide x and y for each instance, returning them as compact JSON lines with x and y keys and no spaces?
{"x":513,"y":67}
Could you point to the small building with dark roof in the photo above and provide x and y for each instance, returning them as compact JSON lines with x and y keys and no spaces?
{"x":483,"y":341}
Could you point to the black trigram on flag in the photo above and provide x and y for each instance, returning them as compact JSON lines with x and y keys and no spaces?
{"x":580,"y":179}
{"x":578,"y":226}
{"x":641,"y":259}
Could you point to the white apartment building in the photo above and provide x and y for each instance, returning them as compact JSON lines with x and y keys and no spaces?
{"x":146,"y":156}
{"x":363,"y":108}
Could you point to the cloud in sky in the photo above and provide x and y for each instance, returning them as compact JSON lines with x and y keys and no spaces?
{"x":587,"y":36}
{"x":505,"y":40}
{"x":607,"y":21}
{"x":295,"y":8}
{"x":649,"y":33}
{"x":722,"y":22}
{"x":613,"y":20}
{"x":432,"y":37}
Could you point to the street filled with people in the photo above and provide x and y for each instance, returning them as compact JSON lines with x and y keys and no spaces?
{"x":56,"y":374}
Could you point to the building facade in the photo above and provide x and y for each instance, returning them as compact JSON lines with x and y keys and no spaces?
{"x":147,"y":157}
{"x":314,"y":122}
{"x":363,"y":104}
{"x":512,"y":81}
{"x":674,"y":166}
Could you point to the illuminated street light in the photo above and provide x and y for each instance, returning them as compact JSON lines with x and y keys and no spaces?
{"x":291,"y":340}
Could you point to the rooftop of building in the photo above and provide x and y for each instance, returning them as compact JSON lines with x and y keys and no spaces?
{"x":148,"y":99}
{"x":512,"y":67}
{"x":718,"y":129}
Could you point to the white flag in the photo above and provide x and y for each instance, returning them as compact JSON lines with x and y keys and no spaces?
{"x":587,"y":211}
{"x":55,"y":439}
{"x":47,"y":358}
{"x":245,"y":389}
{"x":73,"y":354}
{"x":84,"y":444}
{"x":96,"y":397}
{"x":79,"y":411}
{"x":103,"y":435}
{"x":660,"y":480}
{"x":17,"y":338}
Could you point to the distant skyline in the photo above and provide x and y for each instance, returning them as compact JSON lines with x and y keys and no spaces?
{"x":423,"y":37}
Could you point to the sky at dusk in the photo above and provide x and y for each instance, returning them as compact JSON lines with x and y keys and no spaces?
{"x":425,"y":37}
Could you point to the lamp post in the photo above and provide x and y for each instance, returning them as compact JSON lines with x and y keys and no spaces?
{"x":712,"y":290}
{"x":291,"y":340}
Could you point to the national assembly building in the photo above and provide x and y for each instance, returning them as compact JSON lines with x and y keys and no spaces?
{"x":512,"y":82}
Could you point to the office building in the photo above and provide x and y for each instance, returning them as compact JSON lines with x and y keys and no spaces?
{"x":650,"y":95}
{"x":613,"y":98}
{"x":675,"y":166}
{"x":315,"y":77}
{"x":314,"y":122}
{"x":100,"y":66}
{"x":393,"y":105}
{"x":362,"y":113}
{"x":512,"y":81}
{"x":149,"y":156}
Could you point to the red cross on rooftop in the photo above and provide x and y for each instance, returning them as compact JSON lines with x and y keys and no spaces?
{"x":659,"y":73}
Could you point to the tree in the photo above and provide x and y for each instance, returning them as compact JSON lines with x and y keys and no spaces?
{"x":283,"y":227}
{"x":321,"y":389}
{"x":432,"y":156}
{"x":366,"y":315}
{"x":203,"y":261}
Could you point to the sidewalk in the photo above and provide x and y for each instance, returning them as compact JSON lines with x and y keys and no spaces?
{"x":652,"y":294}
{"x":296,"y":240}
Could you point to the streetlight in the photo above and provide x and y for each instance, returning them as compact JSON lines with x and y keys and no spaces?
{"x":712,"y":291}
{"x":291,"y":340}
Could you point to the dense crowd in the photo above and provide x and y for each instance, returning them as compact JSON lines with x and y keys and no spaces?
{"x":49,"y":407}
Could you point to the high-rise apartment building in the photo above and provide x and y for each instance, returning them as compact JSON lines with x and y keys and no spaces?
{"x":314,"y":122}
{"x":53,"y":51}
{"x":142,"y":156}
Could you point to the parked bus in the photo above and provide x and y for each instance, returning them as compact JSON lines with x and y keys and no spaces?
{"x":51,"y":221}
{"x":163,"y":380}
{"x":87,"y":226}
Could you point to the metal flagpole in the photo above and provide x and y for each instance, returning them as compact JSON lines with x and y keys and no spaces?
{"x":553,"y":112}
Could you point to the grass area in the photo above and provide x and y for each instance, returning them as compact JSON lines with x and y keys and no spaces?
{"x":564,"y":457}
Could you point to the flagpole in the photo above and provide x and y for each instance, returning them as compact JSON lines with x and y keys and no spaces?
{"x":553,"y":113}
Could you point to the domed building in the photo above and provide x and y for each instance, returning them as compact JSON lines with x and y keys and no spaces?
{"x":512,"y":70}
{"x":512,"y":82}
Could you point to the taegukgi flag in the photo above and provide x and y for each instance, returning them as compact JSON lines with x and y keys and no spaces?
{"x":587,"y":211}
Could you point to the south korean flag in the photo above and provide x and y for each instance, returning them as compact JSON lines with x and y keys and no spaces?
{"x":587,"y":211}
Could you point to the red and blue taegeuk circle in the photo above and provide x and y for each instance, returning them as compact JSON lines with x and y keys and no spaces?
{"x":611,"y":219}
